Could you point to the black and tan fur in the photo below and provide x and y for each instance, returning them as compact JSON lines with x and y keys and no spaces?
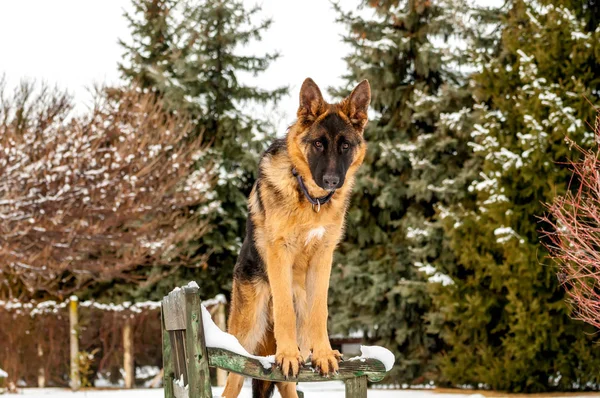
{"x":279,"y":297}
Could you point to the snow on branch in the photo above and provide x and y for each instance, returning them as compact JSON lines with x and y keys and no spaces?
{"x":573,"y":236}
{"x":96,"y":197}
{"x":33,"y":308}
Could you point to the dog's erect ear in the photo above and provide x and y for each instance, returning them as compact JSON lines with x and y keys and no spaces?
{"x":356,"y":105}
{"x":311,"y":100}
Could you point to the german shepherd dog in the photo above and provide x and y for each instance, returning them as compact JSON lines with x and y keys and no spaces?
{"x":296,"y":218}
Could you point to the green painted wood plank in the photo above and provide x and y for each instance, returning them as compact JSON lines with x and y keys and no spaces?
{"x":371,"y":368}
{"x":167,"y":359}
{"x":196,"y":355}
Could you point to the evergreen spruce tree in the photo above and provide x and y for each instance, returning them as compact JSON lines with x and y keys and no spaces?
{"x":152,"y":52}
{"x":417,"y":149}
{"x":190,"y":52}
{"x":507,"y":325}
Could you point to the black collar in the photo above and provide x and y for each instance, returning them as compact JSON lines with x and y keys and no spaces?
{"x":314,"y":201}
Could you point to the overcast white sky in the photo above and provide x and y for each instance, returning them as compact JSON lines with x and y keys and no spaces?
{"x":73,"y":43}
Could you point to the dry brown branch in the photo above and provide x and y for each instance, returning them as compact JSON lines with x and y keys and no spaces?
{"x":92,"y":198}
{"x":574,"y":236}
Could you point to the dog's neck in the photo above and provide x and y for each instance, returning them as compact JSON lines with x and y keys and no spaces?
{"x":315,"y":201}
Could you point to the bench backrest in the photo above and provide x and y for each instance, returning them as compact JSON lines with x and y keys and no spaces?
{"x":185,"y":359}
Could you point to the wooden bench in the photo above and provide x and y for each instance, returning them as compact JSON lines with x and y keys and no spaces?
{"x":185,"y":355}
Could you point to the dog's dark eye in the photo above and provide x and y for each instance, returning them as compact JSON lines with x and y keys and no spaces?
{"x":318,"y":144}
{"x":345,"y":146}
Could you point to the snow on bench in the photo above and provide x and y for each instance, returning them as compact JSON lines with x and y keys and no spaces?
{"x":382,"y":354}
{"x":214,"y":337}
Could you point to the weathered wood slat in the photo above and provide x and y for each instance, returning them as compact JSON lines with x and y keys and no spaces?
{"x":174,"y":310}
{"x":167,"y":359}
{"x":197,"y":358}
{"x":178,"y":354}
{"x":373,"y":369}
{"x":168,"y":386}
{"x":356,"y":388}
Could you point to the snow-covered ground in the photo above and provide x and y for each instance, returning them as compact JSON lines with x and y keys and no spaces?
{"x":311,"y":390}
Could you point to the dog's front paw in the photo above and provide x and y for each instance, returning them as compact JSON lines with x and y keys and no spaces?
{"x":326,"y":361}
{"x":289,"y":361}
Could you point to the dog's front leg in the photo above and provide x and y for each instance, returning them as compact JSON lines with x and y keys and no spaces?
{"x":279,"y":270}
{"x":317,"y":283}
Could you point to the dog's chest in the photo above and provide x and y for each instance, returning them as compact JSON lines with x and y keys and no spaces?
{"x":314,"y":235}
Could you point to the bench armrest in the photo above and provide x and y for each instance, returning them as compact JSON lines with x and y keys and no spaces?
{"x":373,"y":369}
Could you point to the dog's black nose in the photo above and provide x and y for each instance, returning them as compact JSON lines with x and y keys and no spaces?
{"x":331,"y":181}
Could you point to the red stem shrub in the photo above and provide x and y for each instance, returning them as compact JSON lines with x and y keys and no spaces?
{"x":574,"y":236}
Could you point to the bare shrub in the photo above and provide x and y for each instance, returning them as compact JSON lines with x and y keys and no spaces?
{"x":95,"y":197}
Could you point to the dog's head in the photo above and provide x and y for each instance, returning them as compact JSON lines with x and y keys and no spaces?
{"x":326,"y":143}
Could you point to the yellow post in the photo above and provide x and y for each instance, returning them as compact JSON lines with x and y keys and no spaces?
{"x":128,"y":365}
{"x":221,"y":323}
{"x":41,"y":371}
{"x":74,"y":337}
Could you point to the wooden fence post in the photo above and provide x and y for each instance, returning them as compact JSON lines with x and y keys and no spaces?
{"x":41,"y":379}
{"x":128,"y":362}
{"x":221,"y":323}
{"x":74,"y":337}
